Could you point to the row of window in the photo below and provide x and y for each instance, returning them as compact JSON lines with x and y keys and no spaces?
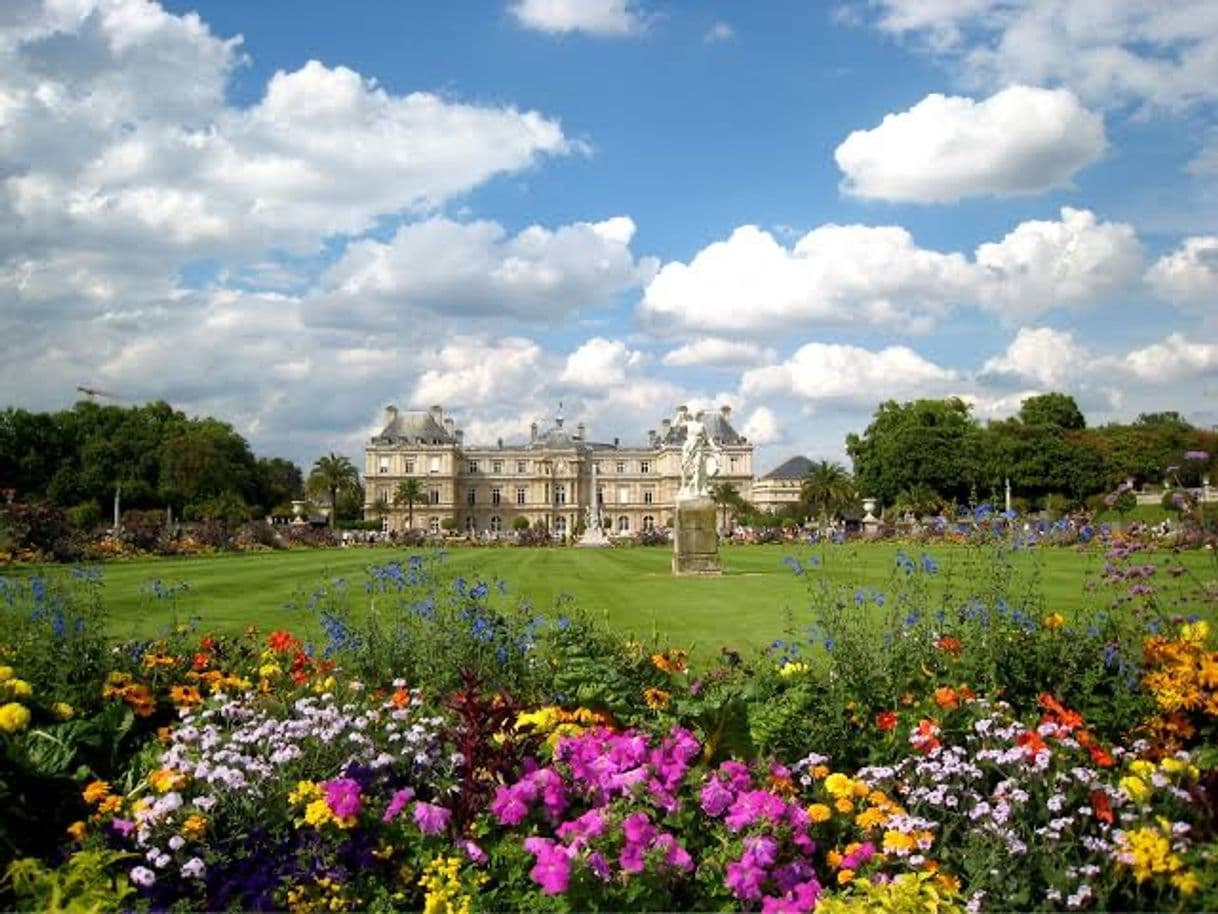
{"x":522,"y":496}
{"x":560,"y":524}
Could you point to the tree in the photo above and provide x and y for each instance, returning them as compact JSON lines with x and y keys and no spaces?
{"x":935,"y":443}
{"x":1059,"y":410}
{"x":726,"y":496}
{"x":333,"y":474}
{"x":407,"y":493}
{"x":826,"y":490}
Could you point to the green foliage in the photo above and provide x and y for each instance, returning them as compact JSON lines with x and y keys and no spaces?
{"x":827,"y":491}
{"x":1054,"y":409}
{"x":333,"y":476}
{"x":520,"y":524}
{"x":89,"y":882}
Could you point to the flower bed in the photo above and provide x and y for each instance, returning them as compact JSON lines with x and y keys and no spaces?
{"x":457,"y":752}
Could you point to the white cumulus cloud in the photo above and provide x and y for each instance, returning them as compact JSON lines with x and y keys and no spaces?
{"x":1022,"y":140}
{"x":762,"y":426}
{"x":849,"y":374}
{"x":1175,"y":359}
{"x":605,"y":18}
{"x":710,"y":350}
{"x":600,"y":363}
{"x":1042,"y":355}
{"x":1188,"y":276}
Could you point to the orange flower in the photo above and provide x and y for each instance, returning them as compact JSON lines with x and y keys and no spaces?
{"x":1031,"y":741}
{"x":201,"y":661}
{"x":671,"y":661}
{"x":401,"y":698}
{"x":926,"y":738}
{"x":950,"y":645}
{"x":886,"y":720}
{"x":95,"y":792}
{"x":185,"y":696}
{"x":76,"y":831}
{"x":1101,"y":757}
{"x":1102,"y":806}
{"x":946,"y":698}
{"x":282,"y":642}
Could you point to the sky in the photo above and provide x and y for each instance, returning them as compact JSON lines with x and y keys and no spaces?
{"x":291,"y":214}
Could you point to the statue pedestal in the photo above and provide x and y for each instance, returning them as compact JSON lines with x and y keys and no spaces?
{"x":695,"y":546}
{"x":593,"y":538}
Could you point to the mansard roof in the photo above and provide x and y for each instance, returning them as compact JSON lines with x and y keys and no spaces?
{"x":718,"y":428}
{"x":414,"y":427}
{"x":794,"y":468}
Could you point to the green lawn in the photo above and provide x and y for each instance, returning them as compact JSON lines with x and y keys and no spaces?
{"x":746,"y":607}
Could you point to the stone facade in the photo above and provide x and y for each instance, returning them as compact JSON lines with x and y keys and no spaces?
{"x":551,"y":477}
{"x":780,"y":488}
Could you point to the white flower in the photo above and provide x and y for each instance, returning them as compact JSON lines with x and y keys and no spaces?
{"x":141,"y":875}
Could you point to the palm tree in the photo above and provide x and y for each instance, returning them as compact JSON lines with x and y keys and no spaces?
{"x":919,"y":500}
{"x":407,"y":493}
{"x":333,"y":474}
{"x":826,"y":490}
{"x":725,"y":495}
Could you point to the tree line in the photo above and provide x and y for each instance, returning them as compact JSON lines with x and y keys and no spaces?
{"x":153,"y":456}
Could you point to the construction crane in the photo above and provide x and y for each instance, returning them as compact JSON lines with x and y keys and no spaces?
{"x":94,"y":392}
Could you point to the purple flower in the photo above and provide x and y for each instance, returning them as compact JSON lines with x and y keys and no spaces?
{"x":431,"y":819}
{"x":744,"y":879}
{"x":343,"y":797}
{"x":123,"y":826}
{"x":473,"y":851}
{"x":800,"y":900}
{"x":193,"y":868}
{"x":553,"y":869}
{"x":599,"y":866}
{"x":761,"y":849}
{"x":861,"y":855}
{"x":589,"y":826}
{"x":638,"y":829}
{"x":1196,"y":455}
{"x":753,"y":805}
{"x":141,"y":875}
{"x":397,"y":803}
{"x":675,"y":855}
{"x":715,"y":798}
{"x":509,"y":806}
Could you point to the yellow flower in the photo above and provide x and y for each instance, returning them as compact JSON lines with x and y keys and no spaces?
{"x":843,"y":805}
{"x":820,"y":771}
{"x":896,"y":842}
{"x":1135,"y":788}
{"x":6,"y":673}
{"x":109,"y":806}
{"x":1054,"y":621}
{"x":166,"y":779}
{"x":195,"y":827}
{"x":19,"y":688}
{"x":14,"y":717}
{"x":61,"y":710}
{"x":845,"y":877}
{"x":791,"y":667}
{"x":318,"y":813}
{"x":1186,"y":883}
{"x":1142,"y":768}
{"x":838,"y":785}
{"x":1195,"y":632}
{"x":269,"y":670}
{"x":305,"y":792}
{"x":76,"y":831}
{"x":870,"y":818}
{"x":819,"y":812}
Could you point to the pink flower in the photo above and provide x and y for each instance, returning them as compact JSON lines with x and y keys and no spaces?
{"x":343,"y":797}
{"x":397,"y":803}
{"x":744,"y":878}
{"x":431,"y":819}
{"x":509,"y":806}
{"x":553,"y":869}
{"x":860,"y":856}
{"x":715,"y":798}
{"x":473,"y":851}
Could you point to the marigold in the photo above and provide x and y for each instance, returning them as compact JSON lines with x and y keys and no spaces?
{"x":870,"y":818}
{"x":19,"y":688}
{"x":946,"y":698}
{"x":14,"y":717}
{"x":897,"y":842}
{"x":95,"y":792}
{"x":845,"y":877}
{"x":656,"y":698}
{"x":843,"y":805}
{"x":185,"y":696}
{"x":61,"y":710}
{"x":839,"y":785}
{"x":77,"y":831}
{"x":166,"y":779}
{"x":195,"y":827}
{"x":1053,"y":621}
{"x":886,"y":720}
{"x":671,"y":661}
{"x":819,"y":812}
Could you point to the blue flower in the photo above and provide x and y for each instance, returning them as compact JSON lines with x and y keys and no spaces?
{"x":912,"y":619}
{"x":814,"y":560}
{"x":1111,"y":651}
{"x":793,"y":563}
{"x":563,"y":623}
{"x":479,"y":591}
{"x":38,"y":588}
{"x":860,"y":597}
{"x":878,"y":598}
{"x":459,"y":585}
{"x":929,"y":565}
{"x":830,"y":644}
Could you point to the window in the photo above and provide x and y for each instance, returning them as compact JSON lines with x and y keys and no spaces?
{"x":600,"y":495}
{"x":496,"y":466}
{"x":560,"y":527}
{"x":521,"y":495}
{"x":433,"y":464}
{"x":522,"y":466}
{"x":649,"y":496}
{"x":621,"y":466}
{"x":731,"y":462}
{"x":471,"y":525}
{"x":473,"y":466}
{"x":433,"y":524}
{"x":649,"y":522}
{"x":383,"y":465}
{"x":623,"y":524}
{"x":623,"y":495}
{"x":409,"y":464}
{"x":560,"y":494}
{"x":644,"y":466}
{"x":496,"y":495}
{"x":596,"y":466}
{"x":471,"y":496}
{"x":433,"y":496}
{"x":496,"y":523}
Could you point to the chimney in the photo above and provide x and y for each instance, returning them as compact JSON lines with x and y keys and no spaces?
{"x":391,"y":413}
{"x":449,"y":426}
{"x":665,"y":427}
{"x":580,"y":431}
{"x":615,"y":441}
{"x":532,"y":431}
{"x":459,"y":434}
{"x":651,"y":437}
{"x":726,"y":412}
{"x":499,"y":443}
{"x":682,"y":409}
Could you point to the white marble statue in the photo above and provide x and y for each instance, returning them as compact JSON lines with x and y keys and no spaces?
{"x":700,"y":457}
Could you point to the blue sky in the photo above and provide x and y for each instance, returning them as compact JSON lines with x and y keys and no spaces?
{"x":291,"y":214}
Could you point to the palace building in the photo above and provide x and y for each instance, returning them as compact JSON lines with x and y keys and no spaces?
{"x":550,"y":478}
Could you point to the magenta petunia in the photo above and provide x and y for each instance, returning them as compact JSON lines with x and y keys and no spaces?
{"x":343,"y":797}
{"x":397,"y":803}
{"x":431,"y":819}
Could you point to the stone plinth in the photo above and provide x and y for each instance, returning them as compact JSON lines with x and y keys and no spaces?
{"x":695,"y":546}
{"x":593,"y":538}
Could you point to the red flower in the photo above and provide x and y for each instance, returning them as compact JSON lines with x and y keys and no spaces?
{"x":950,"y":645}
{"x":1102,"y":807}
{"x":886,"y":720}
{"x":946,"y":698}
{"x":282,"y":642}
